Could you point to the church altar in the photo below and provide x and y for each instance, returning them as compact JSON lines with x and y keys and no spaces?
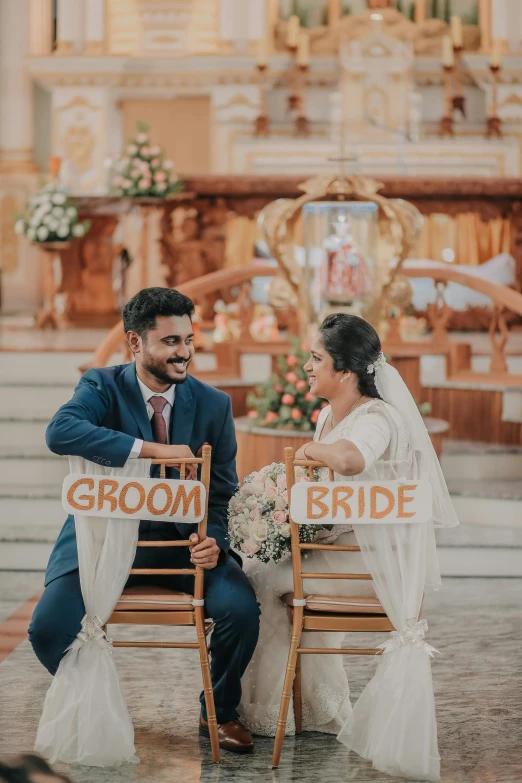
{"x":210,"y":226}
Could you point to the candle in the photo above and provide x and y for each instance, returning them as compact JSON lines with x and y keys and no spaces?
{"x":303,"y":49}
{"x":420,"y":11}
{"x":292,"y":32}
{"x":261,"y":53}
{"x":456,"y":31}
{"x":495,"y":53}
{"x":447,"y":52}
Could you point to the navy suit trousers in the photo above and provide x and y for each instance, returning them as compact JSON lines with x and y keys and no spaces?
{"x":229,"y":600}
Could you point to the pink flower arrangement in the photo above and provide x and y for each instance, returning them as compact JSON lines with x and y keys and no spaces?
{"x":144,"y":171}
{"x":258,"y":515}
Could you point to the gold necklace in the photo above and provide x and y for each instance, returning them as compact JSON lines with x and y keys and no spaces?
{"x":351,"y":409}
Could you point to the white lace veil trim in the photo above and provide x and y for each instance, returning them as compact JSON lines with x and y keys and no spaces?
{"x":394,"y":391}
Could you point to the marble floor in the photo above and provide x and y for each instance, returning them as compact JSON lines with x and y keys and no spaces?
{"x":475,"y":623}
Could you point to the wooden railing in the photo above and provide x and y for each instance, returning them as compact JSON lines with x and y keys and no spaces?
{"x":504,"y":300}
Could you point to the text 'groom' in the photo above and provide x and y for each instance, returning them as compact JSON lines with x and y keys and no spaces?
{"x":153,"y":408}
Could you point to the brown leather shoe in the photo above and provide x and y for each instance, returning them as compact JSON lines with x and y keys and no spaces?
{"x":232,"y":736}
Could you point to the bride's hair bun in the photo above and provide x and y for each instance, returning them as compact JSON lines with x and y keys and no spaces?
{"x":353,"y":345}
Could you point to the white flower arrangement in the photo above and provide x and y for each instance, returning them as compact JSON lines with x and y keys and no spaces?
{"x":143,"y":171}
{"x":258,"y":516}
{"x":51,"y":216}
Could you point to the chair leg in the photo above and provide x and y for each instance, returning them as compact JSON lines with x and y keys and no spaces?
{"x":199,"y":613}
{"x":287,"y":687}
{"x":297,"y":698}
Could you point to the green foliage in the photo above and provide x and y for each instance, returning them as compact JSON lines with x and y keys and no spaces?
{"x":271,"y":407}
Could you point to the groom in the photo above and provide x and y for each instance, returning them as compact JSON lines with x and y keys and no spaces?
{"x":152,"y":408}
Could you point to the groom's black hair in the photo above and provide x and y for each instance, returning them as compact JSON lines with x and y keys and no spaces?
{"x":353,"y":344}
{"x":140,"y":312}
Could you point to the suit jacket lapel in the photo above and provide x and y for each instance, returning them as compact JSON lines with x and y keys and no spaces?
{"x":136,"y":402}
{"x":182,"y":419}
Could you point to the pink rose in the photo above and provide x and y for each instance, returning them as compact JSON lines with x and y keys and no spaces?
{"x":309,"y":397}
{"x":258,"y":478}
{"x":270,"y":492}
{"x":278,"y":388}
{"x":252,"y":414}
{"x":144,"y":184}
{"x":287,"y":399}
{"x":249,"y":547}
{"x":271,"y":417}
{"x":315,"y":416}
{"x":155,"y":149}
{"x":256,"y":515}
{"x":246,"y":490}
{"x":155,"y":162}
{"x":291,"y":360}
{"x":160,"y":176}
{"x":279,"y":517}
{"x":296,"y":414}
{"x":142,"y":138}
{"x":291,"y":377}
{"x":300,"y":385}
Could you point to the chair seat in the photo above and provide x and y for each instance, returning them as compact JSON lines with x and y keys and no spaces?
{"x":153,"y":598}
{"x":339,"y":604}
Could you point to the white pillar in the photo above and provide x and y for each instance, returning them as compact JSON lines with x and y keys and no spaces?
{"x":94,"y":28}
{"x":40,"y":28}
{"x":16,"y":96}
{"x":70,"y":27}
{"x":242,"y":22}
{"x":506,"y":23}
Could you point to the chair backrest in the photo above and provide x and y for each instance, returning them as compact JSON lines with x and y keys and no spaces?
{"x":181,"y":464}
{"x":297,"y":547}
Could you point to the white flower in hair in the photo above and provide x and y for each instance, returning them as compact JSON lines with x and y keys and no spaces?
{"x":379,"y":362}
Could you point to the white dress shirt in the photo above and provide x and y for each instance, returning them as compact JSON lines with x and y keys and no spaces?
{"x":167,"y":411}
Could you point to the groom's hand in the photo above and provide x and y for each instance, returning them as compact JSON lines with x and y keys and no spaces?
{"x":204,"y":554}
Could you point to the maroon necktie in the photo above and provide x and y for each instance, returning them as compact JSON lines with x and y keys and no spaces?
{"x":159,"y":426}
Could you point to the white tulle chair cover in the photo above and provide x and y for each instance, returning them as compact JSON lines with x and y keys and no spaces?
{"x":393,"y":722}
{"x":85,"y":718}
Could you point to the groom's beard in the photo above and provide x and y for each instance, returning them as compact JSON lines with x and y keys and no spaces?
{"x":157,"y":369}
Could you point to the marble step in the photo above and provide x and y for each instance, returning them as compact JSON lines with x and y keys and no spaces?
{"x":18,"y":474}
{"x":32,"y":401}
{"x":37,"y":519}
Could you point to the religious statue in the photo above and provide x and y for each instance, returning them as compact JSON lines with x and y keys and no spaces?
{"x":347,"y":275}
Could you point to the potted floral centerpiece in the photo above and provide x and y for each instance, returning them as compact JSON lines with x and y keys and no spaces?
{"x":285,"y":401}
{"x":144,"y":171}
{"x":51,"y":216}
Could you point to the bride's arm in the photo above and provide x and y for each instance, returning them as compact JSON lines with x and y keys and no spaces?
{"x":357,"y":447}
{"x":343,"y":456}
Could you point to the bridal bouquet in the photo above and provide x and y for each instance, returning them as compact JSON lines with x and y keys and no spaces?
{"x":51,"y":216}
{"x":144,"y":170}
{"x":258,"y":515}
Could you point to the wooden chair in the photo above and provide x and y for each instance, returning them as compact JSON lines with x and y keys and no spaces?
{"x":319,"y":612}
{"x":159,"y":606}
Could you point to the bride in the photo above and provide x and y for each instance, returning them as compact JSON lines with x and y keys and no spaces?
{"x":361,"y":436}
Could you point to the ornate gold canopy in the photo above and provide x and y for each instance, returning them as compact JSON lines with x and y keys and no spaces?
{"x":400,"y":224}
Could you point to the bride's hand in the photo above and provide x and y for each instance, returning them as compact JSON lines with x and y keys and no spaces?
{"x":301,"y":453}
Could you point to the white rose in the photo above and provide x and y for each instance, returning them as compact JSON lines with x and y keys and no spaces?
{"x":58,"y":212}
{"x":35,"y":219}
{"x":259,"y":531}
{"x":59,"y":198}
{"x":161,"y":187}
{"x":132,"y":149}
{"x":45,"y":208}
{"x":63,"y":230}
{"x":251,"y":502}
{"x":47,"y":220}
{"x":285,"y":530}
{"x":257,"y":488}
{"x":79,"y":230}
{"x":53,"y":224}
{"x":71,"y":212}
{"x":31,"y":233}
{"x":42,"y":233}
{"x":280,"y":503}
{"x":244,"y":529}
{"x":142,"y":138}
{"x":168,"y":164}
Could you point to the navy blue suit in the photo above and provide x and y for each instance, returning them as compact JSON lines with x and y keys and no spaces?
{"x":100,"y":423}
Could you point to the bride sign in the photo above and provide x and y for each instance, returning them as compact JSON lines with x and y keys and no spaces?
{"x":123,"y":498}
{"x":361,"y":502}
